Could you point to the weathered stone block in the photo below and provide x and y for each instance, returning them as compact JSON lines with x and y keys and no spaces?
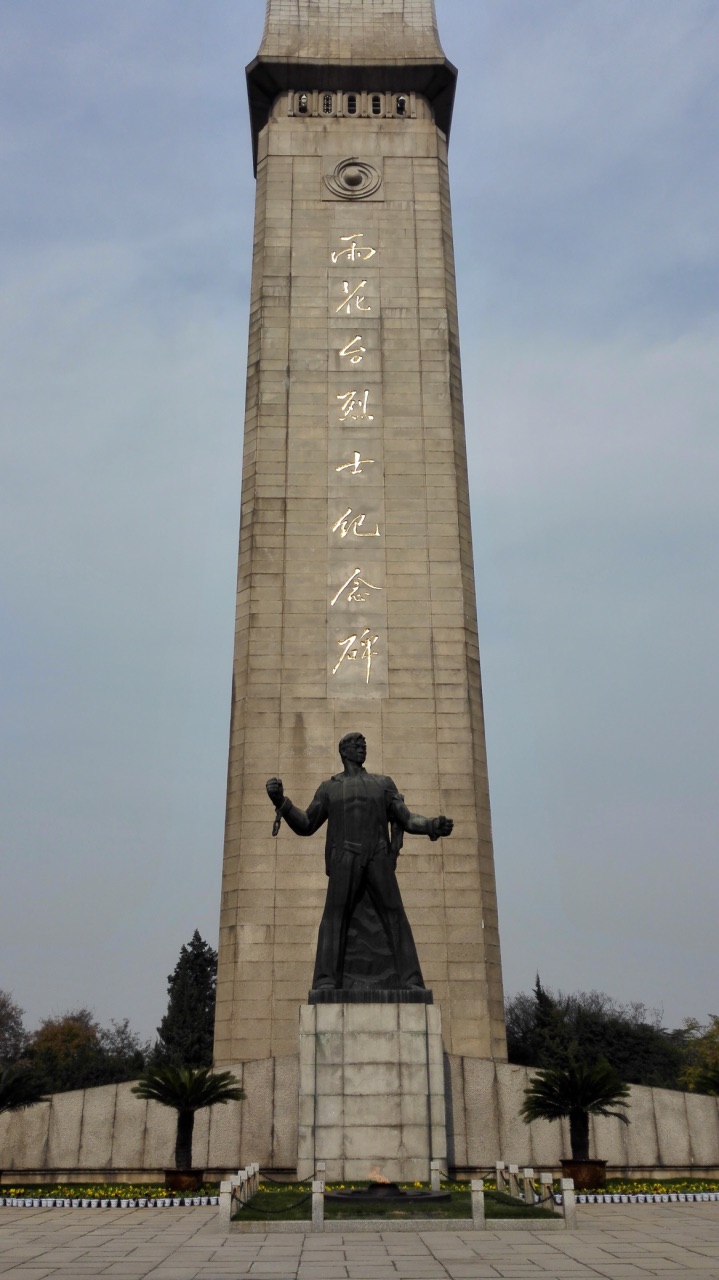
{"x":411,"y":1078}
{"x":328,"y":1018}
{"x":415,"y":1109}
{"x":371,"y":1046}
{"x":373,"y":1142}
{"x":384,"y":1110}
{"x":413,"y":1048}
{"x":369,"y":1019}
{"x":370,"y":1079}
{"x":329,"y":1049}
{"x":329,"y":1110}
{"x":328,"y":1080}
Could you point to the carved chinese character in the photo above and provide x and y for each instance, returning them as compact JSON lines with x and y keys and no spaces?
{"x":355,"y":468}
{"x":355,"y":353}
{"x":353,"y":296}
{"x":358,"y":651}
{"x":354,"y":252}
{"x":344,"y":526}
{"x":356,"y":587}
{"x":354,"y":406}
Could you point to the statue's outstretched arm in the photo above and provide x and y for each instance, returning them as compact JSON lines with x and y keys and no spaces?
{"x":302,"y":822}
{"x":417,"y":825}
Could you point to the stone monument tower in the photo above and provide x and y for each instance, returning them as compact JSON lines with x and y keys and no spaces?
{"x":356,"y":598}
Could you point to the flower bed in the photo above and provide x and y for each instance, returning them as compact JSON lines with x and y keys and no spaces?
{"x":103,"y":1196}
{"x":650,"y":1191}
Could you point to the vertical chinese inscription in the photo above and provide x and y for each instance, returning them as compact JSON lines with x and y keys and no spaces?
{"x":357,"y":579}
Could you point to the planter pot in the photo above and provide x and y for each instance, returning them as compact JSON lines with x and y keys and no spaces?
{"x":587,"y":1174}
{"x":184,"y":1179}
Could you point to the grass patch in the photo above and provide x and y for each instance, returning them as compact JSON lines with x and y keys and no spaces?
{"x":292,"y":1202}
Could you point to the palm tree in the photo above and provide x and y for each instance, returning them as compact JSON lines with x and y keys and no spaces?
{"x":577,"y":1090}
{"x":18,"y":1089}
{"x":187,"y":1090}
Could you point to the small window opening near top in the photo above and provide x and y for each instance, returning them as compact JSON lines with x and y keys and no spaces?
{"x":376,"y":104}
{"x":304,"y":104}
{"x":327,"y":104}
{"x":352,"y":105}
{"x":401,"y":105}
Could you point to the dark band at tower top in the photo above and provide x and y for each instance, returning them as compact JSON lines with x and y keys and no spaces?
{"x":353,"y":47}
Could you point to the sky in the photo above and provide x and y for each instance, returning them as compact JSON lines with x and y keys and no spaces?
{"x":586,"y":205}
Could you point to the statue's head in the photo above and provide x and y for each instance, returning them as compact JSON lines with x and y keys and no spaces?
{"x":353,"y":747}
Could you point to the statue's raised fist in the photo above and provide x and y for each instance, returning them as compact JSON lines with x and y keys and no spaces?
{"x":275,"y":791}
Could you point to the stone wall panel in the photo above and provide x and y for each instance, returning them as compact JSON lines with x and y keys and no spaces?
{"x":64,"y":1129}
{"x":128,"y":1131}
{"x":98,"y":1124}
{"x":703,"y":1119}
{"x":641,"y":1138}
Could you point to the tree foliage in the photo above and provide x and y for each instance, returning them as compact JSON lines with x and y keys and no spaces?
{"x":576,"y":1089}
{"x":187,"y":1029}
{"x":72,"y":1051}
{"x":546,"y":1029}
{"x":13,"y":1036}
{"x":187,"y":1090}
{"x":701,"y":1071}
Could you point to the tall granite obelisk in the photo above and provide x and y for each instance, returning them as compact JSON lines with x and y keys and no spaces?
{"x":356,"y":598}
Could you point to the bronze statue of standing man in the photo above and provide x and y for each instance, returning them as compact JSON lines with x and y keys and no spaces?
{"x":361,"y":809}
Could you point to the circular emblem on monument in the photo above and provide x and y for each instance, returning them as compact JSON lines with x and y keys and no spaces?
{"x":354,"y":179}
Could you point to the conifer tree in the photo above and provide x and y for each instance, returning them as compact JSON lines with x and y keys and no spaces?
{"x":553,"y":1029}
{"x":13,"y":1036}
{"x":186,"y":1031}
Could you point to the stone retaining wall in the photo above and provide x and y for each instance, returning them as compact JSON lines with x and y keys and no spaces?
{"x":668,"y":1130}
{"x":108,"y":1130}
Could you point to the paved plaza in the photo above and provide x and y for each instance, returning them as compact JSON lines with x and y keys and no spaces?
{"x":616,"y":1243}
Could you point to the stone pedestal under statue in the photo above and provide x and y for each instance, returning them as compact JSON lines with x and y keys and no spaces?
{"x":371,"y":1090}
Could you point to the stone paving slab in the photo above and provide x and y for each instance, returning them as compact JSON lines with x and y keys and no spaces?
{"x":612,"y":1243}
